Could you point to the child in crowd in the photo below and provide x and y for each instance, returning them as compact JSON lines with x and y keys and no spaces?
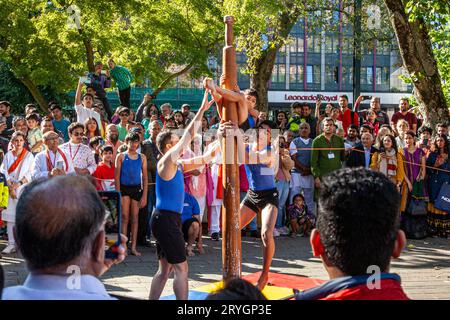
{"x":34,"y":137}
{"x":104,"y":173}
{"x":95,"y":144}
{"x":124,"y":114}
{"x":301,"y":222}
{"x":132,"y":181}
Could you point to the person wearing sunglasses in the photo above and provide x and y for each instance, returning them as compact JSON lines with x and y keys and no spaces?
{"x":81,"y":155}
{"x":124,"y":114}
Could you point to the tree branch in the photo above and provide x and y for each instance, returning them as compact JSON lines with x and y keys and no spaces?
{"x":164,"y":83}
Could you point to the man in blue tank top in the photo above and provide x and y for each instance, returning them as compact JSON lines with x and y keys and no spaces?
{"x":166,"y":226}
{"x":262,"y":195}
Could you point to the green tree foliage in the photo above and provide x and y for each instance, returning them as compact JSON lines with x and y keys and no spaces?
{"x":52,"y":43}
{"x":436,"y":16}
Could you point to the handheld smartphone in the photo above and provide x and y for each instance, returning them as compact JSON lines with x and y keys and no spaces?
{"x":320,"y":97}
{"x":103,"y":72}
{"x":113,"y":206}
{"x":60,"y":165}
{"x":102,"y":142}
{"x":85,"y":80}
{"x":425,"y":142}
{"x":2,"y":119}
{"x":367,"y":97}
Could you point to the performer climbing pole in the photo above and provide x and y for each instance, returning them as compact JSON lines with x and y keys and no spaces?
{"x":231,"y":233}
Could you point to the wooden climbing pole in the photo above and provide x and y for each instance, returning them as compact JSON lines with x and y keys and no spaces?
{"x":231,"y":232}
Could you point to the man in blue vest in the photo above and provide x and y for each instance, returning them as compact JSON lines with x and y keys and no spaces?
{"x":302,"y":178}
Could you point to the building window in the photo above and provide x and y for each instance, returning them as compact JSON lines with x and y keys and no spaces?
{"x":313,"y":43}
{"x":279,"y":73}
{"x":296,"y":45}
{"x":347,"y":46}
{"x":331,"y":74}
{"x":378,"y":75}
{"x":347,"y":75}
{"x":369,"y":75}
{"x":329,"y":44}
{"x":313,"y":74}
{"x":293,"y":45}
{"x":301,"y":43}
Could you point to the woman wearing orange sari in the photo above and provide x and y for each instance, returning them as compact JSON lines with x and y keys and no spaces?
{"x":17,"y":167}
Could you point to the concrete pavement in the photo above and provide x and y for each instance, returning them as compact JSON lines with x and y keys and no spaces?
{"x":424,"y":267}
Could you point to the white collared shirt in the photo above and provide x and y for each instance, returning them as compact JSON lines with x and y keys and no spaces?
{"x":81,"y":156}
{"x":40,"y":169}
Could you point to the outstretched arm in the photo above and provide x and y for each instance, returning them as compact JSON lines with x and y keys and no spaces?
{"x":78,"y":93}
{"x":167,"y":164}
{"x":196,"y":162}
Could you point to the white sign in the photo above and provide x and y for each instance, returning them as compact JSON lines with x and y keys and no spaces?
{"x":333,"y":97}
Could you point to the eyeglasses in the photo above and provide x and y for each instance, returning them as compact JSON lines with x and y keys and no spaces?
{"x":77,"y":134}
{"x":124,"y":114}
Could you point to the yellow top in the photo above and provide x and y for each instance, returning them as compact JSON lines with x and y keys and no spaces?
{"x":400,"y":176}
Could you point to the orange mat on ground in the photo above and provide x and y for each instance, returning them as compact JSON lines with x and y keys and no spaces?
{"x":286,"y":281}
{"x":279,"y":287}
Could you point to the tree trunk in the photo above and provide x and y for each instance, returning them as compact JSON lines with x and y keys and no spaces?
{"x":35,"y":93}
{"x":418,"y":59}
{"x":89,"y":54}
{"x":260,"y":79}
{"x":89,"y":51}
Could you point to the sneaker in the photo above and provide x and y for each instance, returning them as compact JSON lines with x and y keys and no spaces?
{"x":215,"y":236}
{"x":9,"y":249}
{"x":276,"y":233}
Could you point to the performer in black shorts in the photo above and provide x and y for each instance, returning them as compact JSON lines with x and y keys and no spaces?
{"x":166,"y":226}
{"x":260,"y":164}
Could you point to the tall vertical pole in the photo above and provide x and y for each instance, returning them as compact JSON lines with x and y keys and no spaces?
{"x":231,"y":232}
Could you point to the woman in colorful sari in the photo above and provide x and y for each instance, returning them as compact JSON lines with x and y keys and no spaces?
{"x":438,"y":167}
{"x":414,"y":169}
{"x":17,"y":167}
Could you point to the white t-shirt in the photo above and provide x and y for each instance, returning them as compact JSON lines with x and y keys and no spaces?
{"x":84,"y":113}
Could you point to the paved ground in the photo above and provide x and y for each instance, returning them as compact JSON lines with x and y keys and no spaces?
{"x":424,"y":267}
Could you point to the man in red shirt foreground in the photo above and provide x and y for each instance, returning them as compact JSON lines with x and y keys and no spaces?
{"x":357,"y":233}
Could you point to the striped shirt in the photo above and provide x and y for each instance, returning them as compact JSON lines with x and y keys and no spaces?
{"x":121,"y":76}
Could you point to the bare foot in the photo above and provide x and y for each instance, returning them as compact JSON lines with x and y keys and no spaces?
{"x":262,"y":281}
{"x":200,"y":248}
{"x":134,"y":252}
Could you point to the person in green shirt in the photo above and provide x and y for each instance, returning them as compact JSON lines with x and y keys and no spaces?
{"x":324,"y":161}
{"x":122,"y":77}
{"x":123,"y":113}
